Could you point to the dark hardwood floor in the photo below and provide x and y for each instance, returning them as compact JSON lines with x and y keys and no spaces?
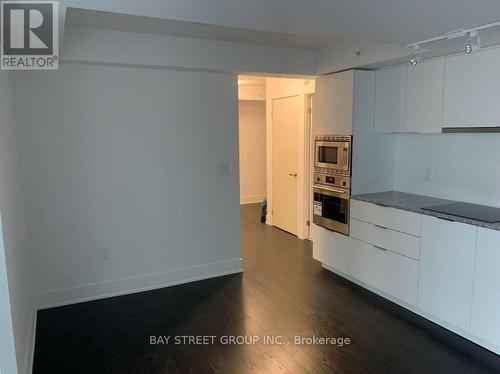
{"x":283,"y":292}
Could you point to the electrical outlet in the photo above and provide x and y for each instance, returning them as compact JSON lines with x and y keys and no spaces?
{"x":104,"y":253}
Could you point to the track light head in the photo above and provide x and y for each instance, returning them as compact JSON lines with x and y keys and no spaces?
{"x":473,"y":42}
{"x":468,"y":48}
{"x":415,"y":55}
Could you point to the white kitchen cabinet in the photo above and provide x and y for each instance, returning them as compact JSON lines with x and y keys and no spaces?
{"x":395,"y":241}
{"x":446,"y":270}
{"x":391,"y":218}
{"x":364,"y":266}
{"x":409,"y":99}
{"x":424,"y":97}
{"x":485,"y":322}
{"x":331,"y":248}
{"x":334,"y":104}
{"x":385,"y":271}
{"x":471,"y":90}
{"x":390,"y":100}
{"x":399,"y":276}
{"x":345,"y":105}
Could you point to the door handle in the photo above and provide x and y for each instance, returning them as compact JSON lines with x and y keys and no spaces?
{"x":338,"y":191}
{"x":292,"y":174}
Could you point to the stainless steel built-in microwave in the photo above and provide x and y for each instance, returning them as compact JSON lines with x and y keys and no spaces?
{"x":333,"y":152}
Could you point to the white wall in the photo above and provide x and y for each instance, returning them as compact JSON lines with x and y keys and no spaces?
{"x":8,"y":363}
{"x":128,"y":159}
{"x":17,"y":256}
{"x":252,"y":115}
{"x":343,"y":55}
{"x":133,"y":48}
{"x":106,"y":46}
{"x":400,"y":22}
{"x":252,"y":92}
{"x":464,"y":167}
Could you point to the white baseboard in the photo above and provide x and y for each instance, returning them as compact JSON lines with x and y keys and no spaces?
{"x":136,"y":284}
{"x":252,"y":199}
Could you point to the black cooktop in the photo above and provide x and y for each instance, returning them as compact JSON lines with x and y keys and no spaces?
{"x":471,"y":211}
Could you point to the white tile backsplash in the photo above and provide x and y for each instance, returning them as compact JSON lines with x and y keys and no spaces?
{"x":464,"y":167}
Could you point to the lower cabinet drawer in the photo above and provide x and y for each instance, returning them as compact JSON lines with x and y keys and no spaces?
{"x":405,"y":244}
{"x":389,"y":272}
{"x":331,"y":248}
{"x":392,"y":218}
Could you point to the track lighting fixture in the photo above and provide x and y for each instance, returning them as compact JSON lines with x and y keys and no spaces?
{"x":415,"y":55}
{"x":473,"y":42}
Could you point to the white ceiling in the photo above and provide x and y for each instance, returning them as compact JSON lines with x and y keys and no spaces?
{"x":387,"y":21}
{"x":348,"y":33}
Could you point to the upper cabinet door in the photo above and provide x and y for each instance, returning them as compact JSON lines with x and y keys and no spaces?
{"x":424,"y":97}
{"x":447,"y":256}
{"x":485,"y":322}
{"x":390,"y":100}
{"x":472,"y":89}
{"x":334,"y":104}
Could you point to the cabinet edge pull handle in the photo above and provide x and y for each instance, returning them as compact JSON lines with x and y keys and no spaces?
{"x":446,"y":219}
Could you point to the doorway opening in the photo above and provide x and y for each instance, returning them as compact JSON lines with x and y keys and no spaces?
{"x":275,"y":142}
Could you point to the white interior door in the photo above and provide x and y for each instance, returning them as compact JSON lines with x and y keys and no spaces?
{"x":285,"y":163}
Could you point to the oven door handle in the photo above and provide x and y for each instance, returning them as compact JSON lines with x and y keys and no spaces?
{"x":337,"y":191}
{"x":331,"y":192}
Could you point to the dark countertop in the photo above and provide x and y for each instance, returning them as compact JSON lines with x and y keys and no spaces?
{"x":415,"y":203}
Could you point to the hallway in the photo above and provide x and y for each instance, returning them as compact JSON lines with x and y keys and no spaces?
{"x":283,"y":292}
